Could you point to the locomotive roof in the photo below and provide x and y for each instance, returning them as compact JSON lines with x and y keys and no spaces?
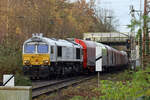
{"x":52,"y":41}
{"x":102,"y":45}
{"x":89,"y":43}
{"x":125,"y":53}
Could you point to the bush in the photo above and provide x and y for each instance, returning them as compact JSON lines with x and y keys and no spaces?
{"x":128,"y":86}
{"x":126,"y":90}
{"x":10,"y":59}
{"x":78,"y":98}
{"x":21,"y":80}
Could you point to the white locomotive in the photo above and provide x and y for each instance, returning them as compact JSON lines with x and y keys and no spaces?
{"x":43,"y":57}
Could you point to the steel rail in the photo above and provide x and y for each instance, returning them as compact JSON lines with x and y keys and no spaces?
{"x":57,"y":85}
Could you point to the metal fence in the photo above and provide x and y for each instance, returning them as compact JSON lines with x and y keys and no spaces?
{"x":106,"y":37}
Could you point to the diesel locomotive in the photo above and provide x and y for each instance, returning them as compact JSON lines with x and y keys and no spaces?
{"x":46,"y":57}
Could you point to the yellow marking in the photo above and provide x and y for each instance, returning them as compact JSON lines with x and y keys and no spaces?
{"x":36,"y":59}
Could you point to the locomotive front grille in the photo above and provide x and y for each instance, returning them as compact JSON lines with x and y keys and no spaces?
{"x":36,"y":59}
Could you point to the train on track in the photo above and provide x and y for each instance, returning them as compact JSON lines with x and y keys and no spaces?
{"x":46,"y":57}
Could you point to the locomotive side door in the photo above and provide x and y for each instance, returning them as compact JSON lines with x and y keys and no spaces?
{"x":52,"y":53}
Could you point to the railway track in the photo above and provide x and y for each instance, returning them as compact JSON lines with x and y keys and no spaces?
{"x":40,"y":88}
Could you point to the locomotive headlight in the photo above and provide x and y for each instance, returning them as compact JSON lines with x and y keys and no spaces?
{"x":45,"y":62}
{"x":27,"y":62}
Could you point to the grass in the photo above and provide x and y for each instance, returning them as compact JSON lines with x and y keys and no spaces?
{"x":127,"y":85}
{"x":21,"y":80}
{"x":87,"y":90}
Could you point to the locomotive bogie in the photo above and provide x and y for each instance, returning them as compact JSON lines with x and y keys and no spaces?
{"x":36,"y":71}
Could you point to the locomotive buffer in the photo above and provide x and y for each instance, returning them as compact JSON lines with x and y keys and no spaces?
{"x":98,"y":61}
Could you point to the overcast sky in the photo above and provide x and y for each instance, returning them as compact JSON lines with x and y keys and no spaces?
{"x":121,"y":10}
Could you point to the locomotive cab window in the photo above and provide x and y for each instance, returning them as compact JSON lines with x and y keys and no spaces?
{"x":42,"y":48}
{"x":29,"y":48}
{"x":77,"y":53}
{"x":52,"y":49}
{"x":59,"y":51}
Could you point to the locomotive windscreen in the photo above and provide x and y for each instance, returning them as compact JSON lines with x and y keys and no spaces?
{"x":29,"y":48}
{"x":42,"y":48}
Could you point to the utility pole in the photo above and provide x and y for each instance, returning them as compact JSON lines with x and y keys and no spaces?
{"x":145,"y":26}
{"x":109,"y":27}
{"x":133,"y":41}
{"x":145,"y":30}
{"x":140,"y":38}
